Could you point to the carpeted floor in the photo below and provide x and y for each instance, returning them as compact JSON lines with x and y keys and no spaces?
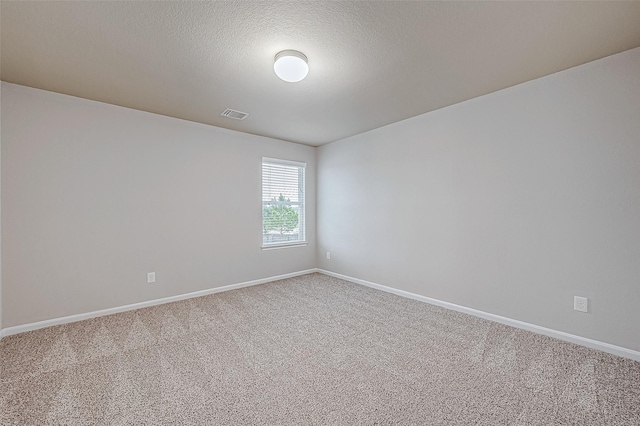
{"x":307,"y":350}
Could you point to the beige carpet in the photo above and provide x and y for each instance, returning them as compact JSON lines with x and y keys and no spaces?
{"x":307,"y":350}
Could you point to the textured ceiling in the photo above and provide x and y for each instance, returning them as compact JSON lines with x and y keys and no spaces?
{"x":371,"y":63}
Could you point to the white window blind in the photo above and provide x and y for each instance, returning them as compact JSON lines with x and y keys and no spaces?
{"x":282,"y":202}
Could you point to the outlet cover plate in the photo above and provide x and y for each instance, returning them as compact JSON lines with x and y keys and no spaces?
{"x":580,"y":304}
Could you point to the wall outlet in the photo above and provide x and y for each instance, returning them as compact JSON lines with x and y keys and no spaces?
{"x":151,"y":277}
{"x":328,"y":255}
{"x":580,"y":304}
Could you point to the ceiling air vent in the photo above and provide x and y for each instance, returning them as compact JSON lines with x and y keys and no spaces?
{"x":236,"y":115}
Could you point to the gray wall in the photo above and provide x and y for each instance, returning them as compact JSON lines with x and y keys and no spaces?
{"x":511,"y":203}
{"x":95,"y":196}
{"x":0,"y":210}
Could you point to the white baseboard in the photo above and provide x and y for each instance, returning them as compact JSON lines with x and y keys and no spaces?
{"x":79,"y":317}
{"x":561,"y":335}
{"x":583,"y":341}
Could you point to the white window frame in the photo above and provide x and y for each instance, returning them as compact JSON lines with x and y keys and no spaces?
{"x":301,"y":203}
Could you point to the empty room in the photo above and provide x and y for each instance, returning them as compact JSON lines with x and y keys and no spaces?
{"x":314,"y":212}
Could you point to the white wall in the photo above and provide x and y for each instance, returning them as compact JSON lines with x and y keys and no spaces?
{"x":511,"y":203}
{"x":95,"y":196}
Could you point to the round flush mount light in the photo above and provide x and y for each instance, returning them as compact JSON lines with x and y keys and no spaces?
{"x":291,"y":66}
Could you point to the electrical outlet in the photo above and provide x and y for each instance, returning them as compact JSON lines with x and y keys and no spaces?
{"x":580,"y":304}
{"x":151,"y":277}
{"x":328,"y":255}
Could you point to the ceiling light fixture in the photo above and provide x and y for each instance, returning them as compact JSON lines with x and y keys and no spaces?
{"x":291,"y":66}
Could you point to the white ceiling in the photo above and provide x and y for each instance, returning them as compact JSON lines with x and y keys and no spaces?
{"x":371,"y":63}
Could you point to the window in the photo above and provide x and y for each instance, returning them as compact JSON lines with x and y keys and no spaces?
{"x":282,"y":202}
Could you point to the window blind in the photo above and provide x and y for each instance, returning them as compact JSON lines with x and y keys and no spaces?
{"x":283,"y":207}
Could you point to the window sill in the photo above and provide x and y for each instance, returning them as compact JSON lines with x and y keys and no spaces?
{"x":281,"y":246}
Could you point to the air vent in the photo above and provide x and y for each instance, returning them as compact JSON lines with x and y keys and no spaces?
{"x":236,"y":115}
